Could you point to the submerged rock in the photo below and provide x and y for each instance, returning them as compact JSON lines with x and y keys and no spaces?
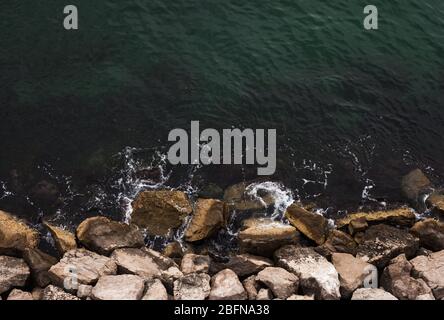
{"x":193,"y":263}
{"x":431,"y":270}
{"x":430,"y":233}
{"x":372,"y":294}
{"x":160,"y":211}
{"x":243,"y":265}
{"x":194,"y":286}
{"x":63,"y":239}
{"x":120,"y":287}
{"x":316,"y":275}
{"x":264,"y":236}
{"x":398,"y":217}
{"x":282,"y":283}
{"x":39,"y":263}
{"x":208,"y":218}
{"x":225,"y":285}
{"x":55,"y":293}
{"x":14,"y":273}
{"x":16,"y":235}
{"x":312,"y":225}
{"x":155,"y":290}
{"x":102,"y":235}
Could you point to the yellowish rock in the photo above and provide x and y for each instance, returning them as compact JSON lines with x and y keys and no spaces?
{"x":402,"y":217}
{"x":15,"y":234}
{"x":63,"y":239}
{"x":312,"y":225}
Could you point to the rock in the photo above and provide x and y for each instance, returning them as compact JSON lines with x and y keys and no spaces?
{"x":103,"y":236}
{"x":16,"y":294}
{"x":352,"y":272}
{"x":251,"y":287}
{"x":37,"y":293}
{"x":120,"y":287}
{"x":193,"y":263}
{"x":15,"y":235}
{"x":194,"y":286}
{"x":300,"y":298}
{"x":431,"y":270}
{"x":436,"y":202}
{"x":14,"y":272}
{"x":372,"y":294}
{"x":211,"y":191}
{"x":162,"y":261}
{"x":264,"y":236}
{"x":160,"y":211}
{"x":381,"y":243}
{"x":238,"y":197}
{"x":225,"y":285}
{"x":39,"y":263}
{"x":396,"y":279}
{"x":316,"y":275}
{"x":55,"y":293}
{"x":414,"y":184}
{"x":243,"y":265}
{"x":337,"y":241}
{"x":430,"y":233}
{"x":281,"y":282}
{"x":155,"y":290}
{"x":357,"y":225}
{"x":264,"y":294}
{"x":44,"y":193}
{"x":425,"y":297}
{"x":359,"y":237}
{"x":84,"y":291}
{"x":312,"y":225}
{"x":173,"y":250}
{"x":63,"y":239}
{"x":136,"y":261}
{"x":208,"y":218}
{"x":399,"y":217}
{"x":169,"y":276}
{"x":86,"y":266}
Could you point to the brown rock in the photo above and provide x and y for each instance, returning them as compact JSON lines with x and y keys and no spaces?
{"x":238,"y":198}
{"x":251,"y":287}
{"x":39,"y":263}
{"x":194,"y":286}
{"x":225,"y":285}
{"x":414,"y":184}
{"x":55,"y":293}
{"x":436,"y":202}
{"x":312,"y":225}
{"x":15,"y":235}
{"x":357,"y":225}
{"x":398,"y":217}
{"x":160,"y":211}
{"x":243,"y":265}
{"x":281,"y":282}
{"x":264,"y":294}
{"x":372,"y":294}
{"x":136,"y":261}
{"x":193,"y":263}
{"x":338,"y":241}
{"x":63,"y":239}
{"x":16,"y":294}
{"x":14,"y":272}
{"x":120,"y":287}
{"x":208,"y":217}
{"x":430,"y":233}
{"x":155,"y":290}
{"x":84,"y":291}
{"x":431,"y":270}
{"x":173,"y":250}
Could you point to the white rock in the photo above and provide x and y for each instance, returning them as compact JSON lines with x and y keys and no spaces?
{"x":372,"y":294}
{"x":13,"y":273}
{"x":281,"y":282}
{"x":120,"y":287}
{"x":225,"y":285}
{"x":155,"y":291}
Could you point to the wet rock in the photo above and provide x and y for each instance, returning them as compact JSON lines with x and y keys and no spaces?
{"x":225,"y":285}
{"x":193,"y":263}
{"x":155,"y":290}
{"x":316,"y":275}
{"x":396,"y":279}
{"x":251,"y":287}
{"x":63,"y":239}
{"x":264,"y":236}
{"x":436,"y":202}
{"x":17,"y":295}
{"x":300,"y":298}
{"x":136,"y":261}
{"x":120,"y":287}
{"x":398,"y":217}
{"x":264,"y":294}
{"x":353,"y":272}
{"x":211,"y":191}
{"x":414,"y":184}
{"x":372,"y":294}
{"x":312,"y":225}
{"x":39,"y":263}
{"x":160,"y":211}
{"x":194,"y":286}
{"x":15,"y":235}
{"x":55,"y":293}
{"x":281,"y":282}
{"x":237,"y":197}
{"x":381,"y":243}
{"x":337,"y":241}
{"x":87,"y":267}
{"x":84,"y":291}
{"x":430,"y":233}
{"x":14,"y":272}
{"x":102,"y":235}
{"x":243,"y":265}
{"x":208,"y":218}
{"x":357,"y":225}
{"x":431,"y":270}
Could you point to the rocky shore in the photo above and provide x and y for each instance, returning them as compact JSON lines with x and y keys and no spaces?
{"x":385,"y":255}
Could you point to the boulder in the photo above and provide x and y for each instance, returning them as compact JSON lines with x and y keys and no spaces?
{"x":55,"y":293}
{"x":337,"y":241}
{"x":162,"y":261}
{"x":120,"y":287}
{"x":16,"y":294}
{"x":398,"y":217}
{"x":84,"y":291}
{"x":436,"y":202}
{"x":381,"y":243}
{"x":39,"y":263}
{"x":155,"y":290}
{"x":225,"y":285}
{"x":430,"y":233}
{"x":193,"y":263}
{"x":372,"y":294}
{"x":353,"y":272}
{"x":63,"y":239}
{"x":243,"y":265}
{"x":160,"y":211}
{"x":282,"y":283}
{"x":84,"y":266}
{"x":169,"y":276}
{"x":14,"y":272}
{"x":238,"y":198}
{"x":396,"y":279}
{"x":312,"y":225}
{"x":264,"y":294}
{"x":207,"y":219}
{"x":316,"y":275}
{"x":431,"y":270}
{"x":174,"y":250}
{"x":103,"y":236}
{"x":136,"y":261}
{"x":357,"y":225}
{"x":414,"y":184}
{"x":16,"y":235}
{"x":263,"y":236}
{"x":251,"y":287}
{"x":194,"y":286}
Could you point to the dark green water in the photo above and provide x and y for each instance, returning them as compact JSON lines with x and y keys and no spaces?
{"x":353,"y":108}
